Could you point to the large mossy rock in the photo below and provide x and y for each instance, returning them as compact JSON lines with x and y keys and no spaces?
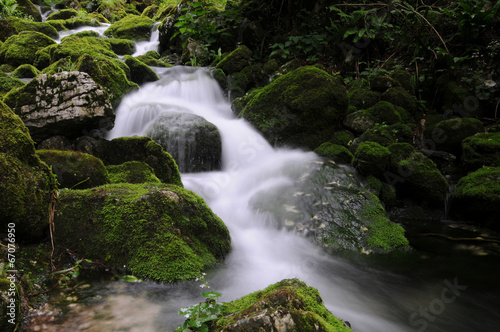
{"x":481,"y":149}
{"x":363,"y":98}
{"x":335,"y":152}
{"x":25,"y":184}
{"x":63,"y":14}
{"x":156,"y":231}
{"x":75,"y":170}
{"x":66,"y":103}
{"x":477,"y":197}
{"x":9,"y":83}
{"x":331,"y":207}
{"x":29,"y":9}
{"x":131,"y":27}
{"x":123,"y":149}
{"x":289,"y":305}
{"x":193,"y":142}
{"x":448,"y":135}
{"x":301,"y":108}
{"x":21,"y":48}
{"x":19,"y":25}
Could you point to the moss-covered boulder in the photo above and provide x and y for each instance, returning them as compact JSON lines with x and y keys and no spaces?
{"x":21,"y":48}
{"x":25,"y":71}
{"x":359,"y":121}
{"x":335,"y":152}
{"x":385,"y":112}
{"x":63,"y":14}
{"x":123,"y":149}
{"x":301,"y":108}
{"x":156,"y":231}
{"x":193,"y":142}
{"x":25,"y":181}
{"x":363,"y":98}
{"x":398,"y":96}
{"x":477,"y":197}
{"x":236,"y":60}
{"x":152,"y":58}
{"x":385,"y":135}
{"x":108,"y":73}
{"x":481,"y":149}
{"x":76,"y":46}
{"x":140,"y":73}
{"x":418,"y":178}
{"x":57,"y":142}
{"x":9,"y":83}
{"x":74,"y":169}
{"x":21,"y":25}
{"x":448,"y":135}
{"x":289,"y":305}
{"x":382,"y":83}
{"x":371,"y":158}
{"x":131,"y":172}
{"x":131,"y":27}
{"x":29,"y":9}
{"x":122,"y":46}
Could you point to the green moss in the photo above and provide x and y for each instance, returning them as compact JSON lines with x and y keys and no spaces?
{"x":74,"y":169}
{"x":42,"y":27}
{"x":140,"y":72}
{"x":122,"y":46}
{"x":301,"y":108}
{"x":75,"y":46}
{"x":384,"y":111}
{"x":363,"y":98}
{"x":382,"y":82}
{"x":150,"y":59}
{"x":150,"y":11}
{"x":371,"y":158}
{"x":236,"y":60}
{"x":400,"y":151}
{"x":388,"y":134}
{"x":63,"y":14}
{"x":109,"y":73}
{"x":291,"y":296}
{"x":421,"y":180}
{"x":24,"y":179}
{"x":131,"y":172}
{"x":382,"y":233}
{"x":59,"y":25}
{"x":25,"y":71}
{"x":8,"y":83}
{"x":131,"y":27}
{"x":157,"y":231}
{"x":335,"y":152}
{"x":482,"y":184}
{"x":481,"y":149}
{"x":21,"y":48}
{"x":405,"y":79}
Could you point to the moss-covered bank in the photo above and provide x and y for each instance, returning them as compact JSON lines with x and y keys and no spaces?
{"x":157,"y":231}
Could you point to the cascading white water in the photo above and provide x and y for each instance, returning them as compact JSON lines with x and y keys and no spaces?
{"x":261,"y":253}
{"x":150,"y":45}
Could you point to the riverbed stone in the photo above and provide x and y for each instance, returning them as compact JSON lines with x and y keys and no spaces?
{"x":236,"y":60}
{"x":156,"y":231}
{"x":301,"y":108}
{"x":193,"y":142}
{"x":65,"y":104}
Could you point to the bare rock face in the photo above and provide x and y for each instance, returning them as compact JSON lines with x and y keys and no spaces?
{"x":66,"y":103}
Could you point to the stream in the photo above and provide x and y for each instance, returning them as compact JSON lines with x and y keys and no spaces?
{"x":444,"y":284}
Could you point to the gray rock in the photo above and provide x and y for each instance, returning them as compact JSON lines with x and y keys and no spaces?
{"x":67,"y":104}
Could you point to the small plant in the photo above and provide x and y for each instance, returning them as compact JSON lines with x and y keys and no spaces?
{"x":199,"y":314}
{"x":8,"y":8}
{"x":67,"y":275}
{"x":308,"y":46}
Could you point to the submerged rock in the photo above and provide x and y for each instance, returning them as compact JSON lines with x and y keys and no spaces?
{"x":65,"y":104}
{"x":156,"y":231}
{"x":289,"y":305}
{"x":332,"y":208}
{"x":193,"y":142}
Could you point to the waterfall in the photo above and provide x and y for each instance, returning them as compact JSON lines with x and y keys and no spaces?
{"x":262,"y":253}
{"x":150,"y":45}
